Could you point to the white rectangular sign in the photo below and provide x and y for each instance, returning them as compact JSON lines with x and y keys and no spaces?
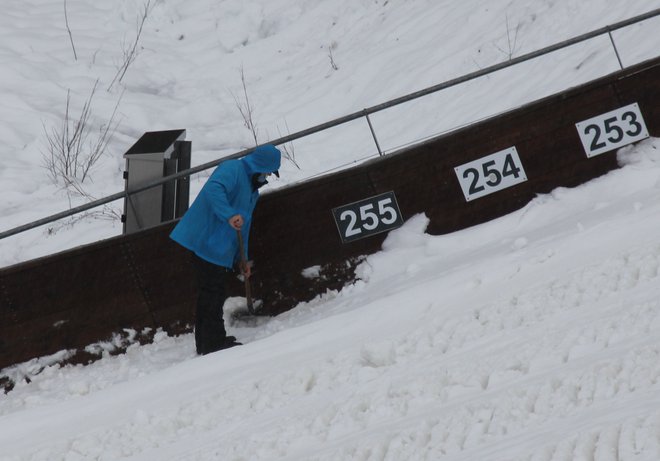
{"x":491,"y":173}
{"x":612,"y":130}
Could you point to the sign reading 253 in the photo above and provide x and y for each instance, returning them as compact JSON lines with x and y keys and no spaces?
{"x":612,"y":130}
{"x":367,"y":217}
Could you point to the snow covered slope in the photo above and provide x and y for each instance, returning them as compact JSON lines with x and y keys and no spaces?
{"x":303,"y":62}
{"x":533,"y":337}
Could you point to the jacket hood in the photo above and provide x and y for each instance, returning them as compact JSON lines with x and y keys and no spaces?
{"x":263,"y":159}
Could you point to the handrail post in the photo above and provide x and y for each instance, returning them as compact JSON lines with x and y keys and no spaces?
{"x":373,"y":133}
{"x":616,"y":51}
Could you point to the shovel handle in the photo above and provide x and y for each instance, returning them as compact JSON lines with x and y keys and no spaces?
{"x":248,"y":294}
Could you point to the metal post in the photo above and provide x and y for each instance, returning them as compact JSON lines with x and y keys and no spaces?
{"x":184,"y":149}
{"x":616,"y":51}
{"x":373,"y":133}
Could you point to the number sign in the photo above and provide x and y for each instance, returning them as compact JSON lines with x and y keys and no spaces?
{"x":612,"y":130}
{"x":491,"y":173}
{"x":367,"y":217}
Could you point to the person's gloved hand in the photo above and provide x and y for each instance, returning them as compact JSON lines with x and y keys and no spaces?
{"x":236,"y":222}
{"x":246,"y":269}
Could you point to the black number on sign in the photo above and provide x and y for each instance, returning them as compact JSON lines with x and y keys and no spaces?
{"x":617,"y":129}
{"x":475,"y":179}
{"x":595,"y":145}
{"x":491,"y":173}
{"x":494,"y":176}
{"x":510,"y":168}
{"x":614,"y":129}
{"x":632,"y":122}
{"x":367,"y":217}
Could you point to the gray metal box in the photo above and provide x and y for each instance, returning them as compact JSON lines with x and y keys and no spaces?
{"x":155,"y":155}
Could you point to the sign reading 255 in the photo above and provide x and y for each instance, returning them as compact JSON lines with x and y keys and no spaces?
{"x":367,"y":217}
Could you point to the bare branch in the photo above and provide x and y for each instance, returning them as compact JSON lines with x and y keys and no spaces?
{"x":131,"y":52}
{"x":512,"y":42}
{"x":98,"y":147}
{"x":288,"y":148}
{"x":68,"y":29}
{"x":69,"y":155}
{"x":333,"y":64}
{"x":245,"y":108}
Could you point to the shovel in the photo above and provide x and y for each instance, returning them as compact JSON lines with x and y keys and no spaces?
{"x":248,"y":291}
{"x":253,"y":316}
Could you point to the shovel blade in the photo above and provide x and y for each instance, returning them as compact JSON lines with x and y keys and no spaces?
{"x":245,"y":314}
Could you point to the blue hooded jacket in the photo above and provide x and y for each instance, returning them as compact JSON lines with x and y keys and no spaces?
{"x":205,"y":229}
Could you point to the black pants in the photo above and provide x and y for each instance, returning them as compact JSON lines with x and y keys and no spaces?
{"x":210,"y":331}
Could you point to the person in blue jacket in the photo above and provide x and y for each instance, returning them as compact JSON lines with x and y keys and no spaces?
{"x":208,"y":229}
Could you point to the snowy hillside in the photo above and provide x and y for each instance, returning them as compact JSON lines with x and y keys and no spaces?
{"x":303,"y":63}
{"x":531,"y":337}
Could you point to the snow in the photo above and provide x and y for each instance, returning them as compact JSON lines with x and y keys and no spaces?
{"x":531,"y":337}
{"x":187,"y":74}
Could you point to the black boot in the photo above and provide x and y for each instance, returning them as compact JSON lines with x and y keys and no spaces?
{"x":230,"y":341}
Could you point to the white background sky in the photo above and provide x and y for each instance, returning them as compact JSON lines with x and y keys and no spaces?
{"x":532,"y":337}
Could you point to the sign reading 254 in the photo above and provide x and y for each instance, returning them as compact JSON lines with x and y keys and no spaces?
{"x":490,"y":173}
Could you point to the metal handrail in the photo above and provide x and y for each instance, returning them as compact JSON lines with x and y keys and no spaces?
{"x":341,"y":120}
